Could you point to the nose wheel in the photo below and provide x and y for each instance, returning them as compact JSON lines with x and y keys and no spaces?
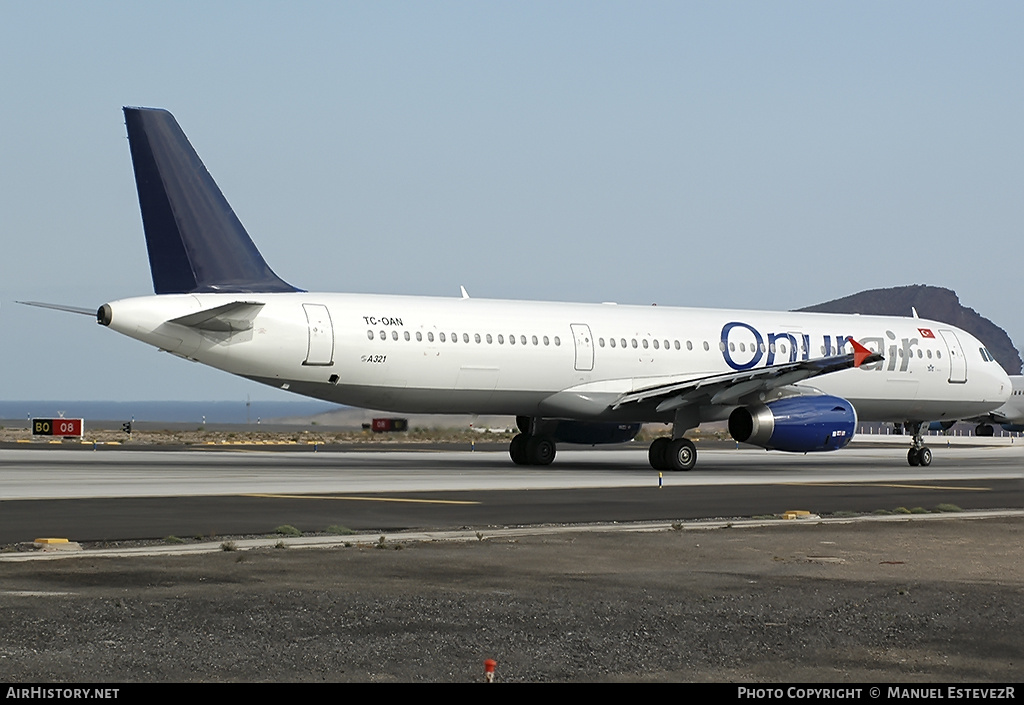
{"x":919,"y":455}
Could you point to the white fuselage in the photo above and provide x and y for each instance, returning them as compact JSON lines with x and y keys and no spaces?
{"x":421,"y":354}
{"x":1012,"y":412}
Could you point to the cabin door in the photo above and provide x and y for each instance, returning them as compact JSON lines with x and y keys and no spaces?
{"x":321,"y":336}
{"x":584,"y":347}
{"x":957,"y":361}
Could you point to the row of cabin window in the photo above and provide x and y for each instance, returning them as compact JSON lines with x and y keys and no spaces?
{"x":441,"y":337}
{"x":656,"y":344}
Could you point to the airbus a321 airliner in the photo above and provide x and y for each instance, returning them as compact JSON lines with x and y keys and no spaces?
{"x":572,"y":373}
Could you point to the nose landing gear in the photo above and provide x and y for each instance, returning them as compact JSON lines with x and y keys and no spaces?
{"x":919,"y":454}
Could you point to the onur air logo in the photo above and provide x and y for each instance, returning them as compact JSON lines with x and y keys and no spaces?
{"x":744,"y":347}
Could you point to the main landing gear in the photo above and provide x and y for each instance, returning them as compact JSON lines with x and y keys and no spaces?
{"x":919,"y":454}
{"x":528,"y":448}
{"x":672,"y":454}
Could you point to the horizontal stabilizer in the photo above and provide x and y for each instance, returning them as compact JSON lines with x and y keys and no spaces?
{"x":235,"y":316}
{"x":60,"y":307}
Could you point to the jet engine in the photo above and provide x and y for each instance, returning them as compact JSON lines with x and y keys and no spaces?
{"x":800,"y":424}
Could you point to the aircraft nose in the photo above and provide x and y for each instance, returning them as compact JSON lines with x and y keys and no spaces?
{"x":1001,"y":383}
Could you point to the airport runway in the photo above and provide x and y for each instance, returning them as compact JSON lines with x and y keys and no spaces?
{"x":100,"y":496}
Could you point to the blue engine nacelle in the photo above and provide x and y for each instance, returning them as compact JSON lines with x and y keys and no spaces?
{"x":591,"y":433}
{"x":796,"y":424}
{"x":941,"y":425}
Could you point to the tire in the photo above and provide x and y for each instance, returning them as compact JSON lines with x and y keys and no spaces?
{"x":657,"y":454}
{"x":924,"y":457}
{"x":681,"y":454}
{"x":913,"y":457}
{"x":517,"y":450}
{"x":540,"y":450}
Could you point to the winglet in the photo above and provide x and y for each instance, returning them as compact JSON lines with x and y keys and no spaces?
{"x":861,"y":354}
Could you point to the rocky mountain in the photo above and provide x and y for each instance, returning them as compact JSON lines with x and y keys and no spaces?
{"x":931,"y":302}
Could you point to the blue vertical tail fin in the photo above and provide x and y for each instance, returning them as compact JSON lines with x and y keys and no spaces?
{"x":196,"y":242}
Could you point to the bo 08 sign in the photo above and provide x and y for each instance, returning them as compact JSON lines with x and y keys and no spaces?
{"x":56,"y":427}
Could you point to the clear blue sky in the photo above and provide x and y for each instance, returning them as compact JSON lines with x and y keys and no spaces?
{"x":744,"y":155}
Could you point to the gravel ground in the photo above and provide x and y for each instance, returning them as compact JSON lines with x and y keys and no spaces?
{"x":883,"y":602}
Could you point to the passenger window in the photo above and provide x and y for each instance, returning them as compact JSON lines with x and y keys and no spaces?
{"x":558,"y":341}
{"x":644,"y":341}
{"x":655,"y":343}
{"x":407,"y":335}
{"x":465,"y":338}
{"x":369,"y":334}
{"x":476,"y":337}
{"x":440,"y":336}
{"x":611,"y":341}
{"x":522,"y":339}
{"x":383,"y":335}
{"x":535,"y":341}
{"x":430,"y":337}
{"x":419,"y":337}
{"x":394,"y":335}
{"x":490,"y":340}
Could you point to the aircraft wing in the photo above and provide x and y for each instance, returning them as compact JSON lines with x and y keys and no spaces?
{"x":729,"y":387}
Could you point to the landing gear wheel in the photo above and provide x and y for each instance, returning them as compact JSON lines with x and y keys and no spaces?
{"x":920,"y":456}
{"x":681,"y":454}
{"x":540,"y":450}
{"x":657,"y":454}
{"x":517,"y":450}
